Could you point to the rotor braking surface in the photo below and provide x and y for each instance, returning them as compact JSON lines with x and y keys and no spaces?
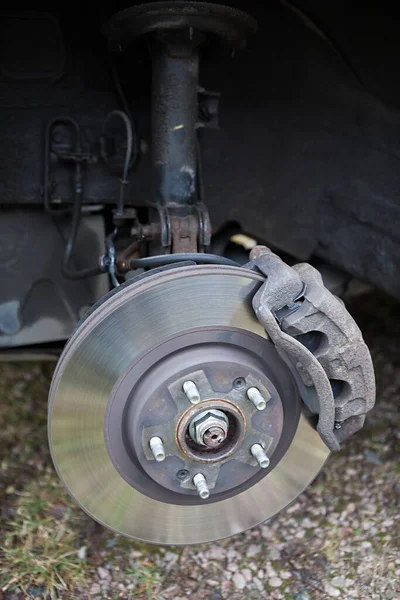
{"x":116,"y":379}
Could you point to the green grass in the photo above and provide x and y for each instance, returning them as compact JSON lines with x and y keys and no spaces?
{"x":39,"y":537}
{"x":147,"y":581}
{"x":40,"y":546}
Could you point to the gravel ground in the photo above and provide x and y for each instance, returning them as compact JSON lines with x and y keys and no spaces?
{"x":340,"y":539}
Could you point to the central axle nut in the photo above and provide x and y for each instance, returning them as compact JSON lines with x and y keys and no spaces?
{"x":209,"y":428}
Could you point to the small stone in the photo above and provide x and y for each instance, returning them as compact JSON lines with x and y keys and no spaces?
{"x":103,"y":573}
{"x":350,"y":471}
{"x":259,"y":584}
{"x":308,"y":524}
{"x":275,"y":554}
{"x":239,"y":581}
{"x":270,"y":570}
{"x":82,"y":553}
{"x":293,"y":508}
{"x":58,"y":511}
{"x":212,"y":582}
{"x":275,"y":582}
{"x":217,"y":553}
{"x":136,"y":554}
{"x":388,"y":523}
{"x":339,"y":582}
{"x":95,"y":589}
{"x":285,"y":575}
{"x":171,"y":556}
{"x":170,"y":592}
{"x":247,"y":574}
{"x":260,"y":574}
{"x":331,"y":591}
{"x":253,"y":550}
{"x":372,"y":457}
{"x":267,"y":533}
{"x":300,"y":534}
{"x":303,"y":595}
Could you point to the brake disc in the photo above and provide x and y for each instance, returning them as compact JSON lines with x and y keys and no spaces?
{"x":172,"y":417}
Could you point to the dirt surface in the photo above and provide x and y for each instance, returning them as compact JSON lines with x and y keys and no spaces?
{"x":340,"y":539}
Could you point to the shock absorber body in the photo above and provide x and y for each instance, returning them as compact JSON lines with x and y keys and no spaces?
{"x":175,"y":32}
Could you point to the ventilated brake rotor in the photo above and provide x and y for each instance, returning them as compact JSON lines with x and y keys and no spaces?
{"x":172,"y":417}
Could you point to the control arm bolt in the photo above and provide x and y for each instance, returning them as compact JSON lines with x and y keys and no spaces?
{"x":201,"y":486}
{"x":259,"y":454}
{"x":254,"y":395}
{"x":157,"y":448}
{"x":191,"y":391}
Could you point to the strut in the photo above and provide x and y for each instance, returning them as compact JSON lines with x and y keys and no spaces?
{"x":175,"y":32}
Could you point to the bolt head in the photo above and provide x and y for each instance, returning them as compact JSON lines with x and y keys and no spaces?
{"x":208,"y":424}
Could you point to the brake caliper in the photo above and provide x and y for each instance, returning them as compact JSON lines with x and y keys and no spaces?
{"x":320,"y":342}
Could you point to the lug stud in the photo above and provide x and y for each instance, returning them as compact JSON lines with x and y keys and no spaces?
{"x":157,"y":448}
{"x":259,"y":454}
{"x":255,"y":396}
{"x":191,"y":391}
{"x":201,"y":486}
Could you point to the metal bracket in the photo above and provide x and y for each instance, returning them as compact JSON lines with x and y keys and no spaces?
{"x":108,"y":260}
{"x":320,"y":341}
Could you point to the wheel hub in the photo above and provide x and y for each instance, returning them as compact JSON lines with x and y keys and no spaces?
{"x":170,"y":409}
{"x":149,"y":401}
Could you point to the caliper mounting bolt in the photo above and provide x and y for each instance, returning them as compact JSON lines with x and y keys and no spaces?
{"x":259,"y":454}
{"x":201,"y":486}
{"x":191,"y":391}
{"x":255,"y":396}
{"x":157,"y":448}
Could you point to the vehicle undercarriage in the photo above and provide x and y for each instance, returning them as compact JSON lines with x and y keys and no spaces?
{"x":186,"y":187}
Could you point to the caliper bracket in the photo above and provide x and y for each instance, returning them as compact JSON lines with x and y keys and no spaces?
{"x":319,"y":340}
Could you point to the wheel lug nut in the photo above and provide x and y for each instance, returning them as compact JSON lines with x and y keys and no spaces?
{"x":191,"y":391}
{"x":157,"y":448}
{"x":255,"y":396}
{"x":201,"y":486}
{"x":259,"y":454}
